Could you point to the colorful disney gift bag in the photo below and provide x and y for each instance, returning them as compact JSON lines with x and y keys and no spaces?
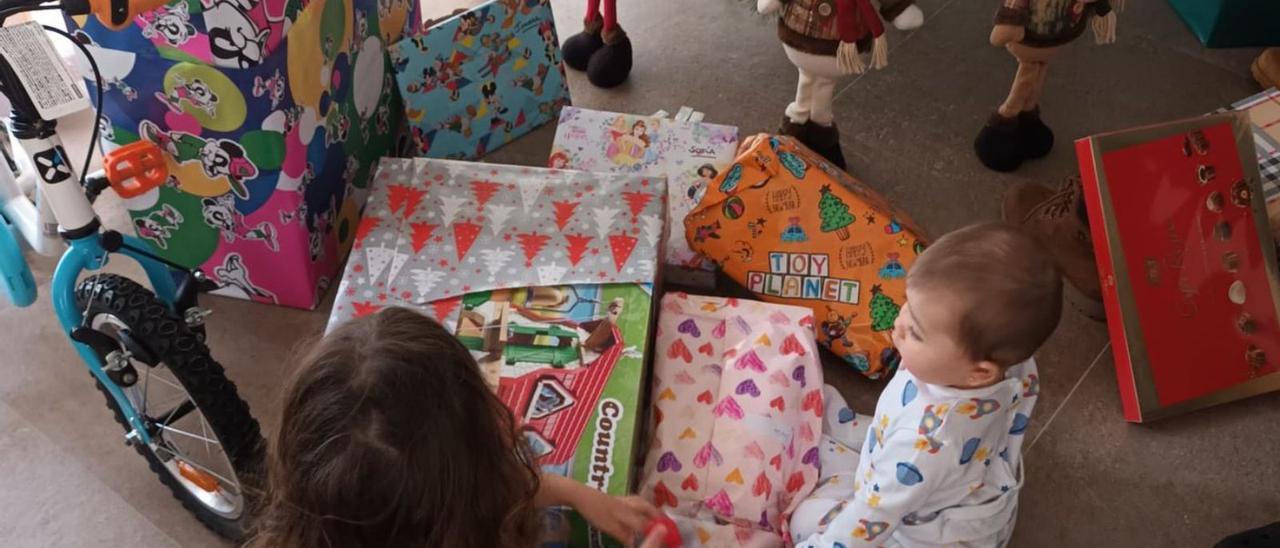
{"x":792,"y":229}
{"x":547,"y":277}
{"x":272,"y":114}
{"x":477,"y":80}
{"x":737,"y":412}
{"x":688,"y":153}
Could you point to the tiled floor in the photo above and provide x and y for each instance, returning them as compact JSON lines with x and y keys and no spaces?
{"x":1093,"y":480}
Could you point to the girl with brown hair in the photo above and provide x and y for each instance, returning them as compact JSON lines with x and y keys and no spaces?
{"x":389,"y":436}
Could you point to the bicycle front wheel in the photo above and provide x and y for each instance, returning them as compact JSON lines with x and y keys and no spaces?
{"x":205,"y":446}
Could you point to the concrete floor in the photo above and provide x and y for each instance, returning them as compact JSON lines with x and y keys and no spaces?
{"x":1093,"y":480}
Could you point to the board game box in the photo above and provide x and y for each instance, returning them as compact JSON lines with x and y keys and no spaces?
{"x":547,"y":277}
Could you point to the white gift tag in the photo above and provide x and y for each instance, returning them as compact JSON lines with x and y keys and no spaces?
{"x":53,"y":90}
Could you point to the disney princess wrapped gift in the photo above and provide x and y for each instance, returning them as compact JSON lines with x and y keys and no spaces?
{"x":789,"y":227}
{"x":546,"y":275}
{"x":689,"y":154}
{"x":272,"y":113}
{"x":737,"y":397}
{"x":1187,"y":262}
{"x":477,"y":80}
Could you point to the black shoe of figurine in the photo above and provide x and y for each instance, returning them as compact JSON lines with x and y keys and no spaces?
{"x":611,"y":64}
{"x":579,"y":48}
{"x":998,"y":145}
{"x":825,"y":140}
{"x":1035,"y":137}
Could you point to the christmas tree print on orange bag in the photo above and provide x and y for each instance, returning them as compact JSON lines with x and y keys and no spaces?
{"x":792,"y":229}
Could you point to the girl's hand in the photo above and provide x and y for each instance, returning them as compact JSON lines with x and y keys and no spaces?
{"x":623,"y":518}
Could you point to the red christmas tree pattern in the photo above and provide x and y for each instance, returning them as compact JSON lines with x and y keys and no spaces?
{"x":532,"y":243}
{"x":411,"y":203}
{"x":577,"y":247}
{"x":363,"y":309}
{"x":621,"y":245}
{"x":397,"y":195}
{"x":636,"y":201}
{"x":445,"y":306}
{"x":484,"y":191}
{"x":367,"y":224}
{"x":465,"y":234}
{"x":404,"y":197}
{"x":421,"y":233}
{"x":564,"y":212}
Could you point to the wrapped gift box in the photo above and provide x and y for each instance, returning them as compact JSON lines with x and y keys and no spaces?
{"x":1264,"y":114}
{"x":546,"y":275}
{"x":270,"y":139}
{"x":717,"y":361}
{"x":689,"y":154}
{"x":475,"y":81}
{"x":792,"y":229}
{"x":1187,"y":263}
{"x":1232,"y":23}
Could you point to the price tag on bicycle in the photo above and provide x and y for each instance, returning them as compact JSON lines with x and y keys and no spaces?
{"x":53,"y":90}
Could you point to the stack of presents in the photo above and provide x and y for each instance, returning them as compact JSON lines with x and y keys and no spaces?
{"x":285,"y":123}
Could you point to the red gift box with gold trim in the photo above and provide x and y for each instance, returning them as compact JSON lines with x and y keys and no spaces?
{"x":1187,"y":262}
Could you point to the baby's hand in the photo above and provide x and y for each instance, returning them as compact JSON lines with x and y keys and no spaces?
{"x":623,"y":518}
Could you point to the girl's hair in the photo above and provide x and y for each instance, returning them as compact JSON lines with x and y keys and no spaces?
{"x":389,"y":436}
{"x":707,"y":168}
{"x":643,"y":136}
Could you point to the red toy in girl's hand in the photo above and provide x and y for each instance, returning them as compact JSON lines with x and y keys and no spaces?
{"x":672,"y":537}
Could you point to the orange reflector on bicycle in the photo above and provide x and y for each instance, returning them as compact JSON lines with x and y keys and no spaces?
{"x":135,"y":168}
{"x":201,"y":479}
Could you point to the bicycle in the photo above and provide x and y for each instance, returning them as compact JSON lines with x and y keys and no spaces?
{"x":145,"y":348}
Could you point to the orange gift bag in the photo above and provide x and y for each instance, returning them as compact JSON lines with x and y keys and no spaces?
{"x":791,"y":228}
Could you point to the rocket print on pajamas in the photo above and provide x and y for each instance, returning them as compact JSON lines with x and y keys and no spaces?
{"x":927,"y":467}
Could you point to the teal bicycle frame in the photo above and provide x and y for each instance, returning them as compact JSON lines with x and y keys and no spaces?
{"x":87,"y":254}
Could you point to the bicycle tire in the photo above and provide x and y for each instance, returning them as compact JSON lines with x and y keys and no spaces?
{"x":204,"y":381}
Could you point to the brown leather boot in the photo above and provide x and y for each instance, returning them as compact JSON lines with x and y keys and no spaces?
{"x":1056,"y":220}
{"x":1266,"y":68}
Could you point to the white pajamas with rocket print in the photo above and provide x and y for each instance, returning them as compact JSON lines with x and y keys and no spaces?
{"x":935,"y":466}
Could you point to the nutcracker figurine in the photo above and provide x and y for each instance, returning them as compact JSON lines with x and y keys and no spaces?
{"x":825,"y":39}
{"x":1034,"y":32}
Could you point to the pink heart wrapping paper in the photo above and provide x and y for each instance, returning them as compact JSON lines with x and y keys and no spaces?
{"x":737,"y":395}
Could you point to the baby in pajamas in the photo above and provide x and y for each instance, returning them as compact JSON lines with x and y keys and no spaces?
{"x":940,"y":463}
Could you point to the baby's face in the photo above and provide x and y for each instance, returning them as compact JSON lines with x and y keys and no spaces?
{"x":925,"y":334}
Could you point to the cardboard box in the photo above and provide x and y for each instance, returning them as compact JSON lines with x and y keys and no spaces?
{"x":546,"y":275}
{"x":477,"y":80}
{"x":689,"y":154}
{"x":1188,"y":265}
{"x":792,"y":229}
{"x":270,"y":139}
